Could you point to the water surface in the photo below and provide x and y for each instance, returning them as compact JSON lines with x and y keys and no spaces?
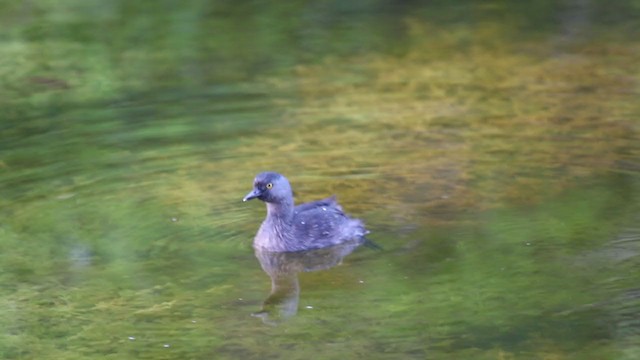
{"x":491,"y":148}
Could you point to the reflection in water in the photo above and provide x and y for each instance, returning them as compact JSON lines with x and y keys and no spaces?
{"x":283,"y":268}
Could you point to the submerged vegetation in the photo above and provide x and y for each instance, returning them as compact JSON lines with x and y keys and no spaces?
{"x":493,"y":149}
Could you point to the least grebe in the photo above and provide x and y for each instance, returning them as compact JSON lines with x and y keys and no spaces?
{"x":312,"y":225}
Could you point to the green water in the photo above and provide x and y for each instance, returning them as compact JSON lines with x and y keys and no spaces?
{"x":491,"y":147}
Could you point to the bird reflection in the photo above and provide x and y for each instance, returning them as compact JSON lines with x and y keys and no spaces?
{"x":283,"y":268}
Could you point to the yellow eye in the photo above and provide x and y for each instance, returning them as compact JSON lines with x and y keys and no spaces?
{"x":269,"y":185}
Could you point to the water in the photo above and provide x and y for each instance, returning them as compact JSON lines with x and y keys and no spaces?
{"x":491,"y":148}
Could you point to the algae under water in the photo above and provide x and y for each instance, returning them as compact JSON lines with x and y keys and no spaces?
{"x":491,"y":148}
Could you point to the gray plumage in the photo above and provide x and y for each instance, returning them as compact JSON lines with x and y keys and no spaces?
{"x":312,"y":225}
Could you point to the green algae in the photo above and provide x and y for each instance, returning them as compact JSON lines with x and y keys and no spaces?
{"x":495,"y":160}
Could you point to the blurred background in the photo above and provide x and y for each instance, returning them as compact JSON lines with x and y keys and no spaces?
{"x":491,"y":147}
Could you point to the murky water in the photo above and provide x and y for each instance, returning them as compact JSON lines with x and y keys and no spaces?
{"x":492,"y":149}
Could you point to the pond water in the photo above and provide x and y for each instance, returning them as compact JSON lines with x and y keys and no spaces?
{"x":491,"y":147}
